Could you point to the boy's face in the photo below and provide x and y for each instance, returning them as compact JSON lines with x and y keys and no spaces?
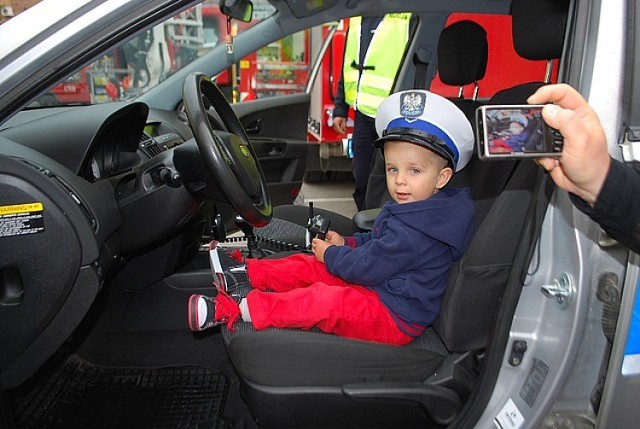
{"x":516,"y":128}
{"x":414,"y":173}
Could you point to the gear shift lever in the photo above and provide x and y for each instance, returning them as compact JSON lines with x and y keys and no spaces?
{"x":252,"y":241}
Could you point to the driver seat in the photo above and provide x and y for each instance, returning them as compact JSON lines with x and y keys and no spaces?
{"x":312,"y":379}
{"x":320,"y":380}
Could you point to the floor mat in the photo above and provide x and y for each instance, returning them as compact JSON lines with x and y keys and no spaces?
{"x":73,"y":393}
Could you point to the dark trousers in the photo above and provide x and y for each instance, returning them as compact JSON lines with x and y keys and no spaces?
{"x":364,"y":134}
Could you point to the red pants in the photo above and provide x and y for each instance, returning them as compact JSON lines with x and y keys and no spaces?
{"x":306,"y":296}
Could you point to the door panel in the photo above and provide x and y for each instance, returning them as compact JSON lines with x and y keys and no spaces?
{"x":277,"y":128}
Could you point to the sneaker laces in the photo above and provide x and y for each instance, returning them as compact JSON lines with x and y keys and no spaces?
{"x":227,"y":309}
{"x":237,"y":255}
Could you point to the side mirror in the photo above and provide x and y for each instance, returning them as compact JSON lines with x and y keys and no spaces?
{"x":238,"y":9}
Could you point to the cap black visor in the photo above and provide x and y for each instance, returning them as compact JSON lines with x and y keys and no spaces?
{"x":418,"y":137}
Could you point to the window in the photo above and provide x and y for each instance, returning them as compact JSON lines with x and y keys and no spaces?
{"x":149,"y":58}
{"x":505,"y":68}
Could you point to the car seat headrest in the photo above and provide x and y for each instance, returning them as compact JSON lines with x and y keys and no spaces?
{"x":462,"y":53}
{"x":538,"y":28}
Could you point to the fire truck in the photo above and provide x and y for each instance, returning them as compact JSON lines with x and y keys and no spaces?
{"x":89,"y":86}
{"x":333,"y":159}
{"x":145,"y":60}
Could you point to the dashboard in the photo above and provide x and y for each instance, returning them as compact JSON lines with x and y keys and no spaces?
{"x":79,"y":196}
{"x":116,"y":161}
{"x":95,"y":142}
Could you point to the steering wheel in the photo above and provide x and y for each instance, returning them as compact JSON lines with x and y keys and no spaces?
{"x":228,"y":156}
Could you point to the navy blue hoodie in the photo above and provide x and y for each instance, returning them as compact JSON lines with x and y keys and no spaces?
{"x":407,"y":255}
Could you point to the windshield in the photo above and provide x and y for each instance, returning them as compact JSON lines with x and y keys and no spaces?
{"x":146,"y":60}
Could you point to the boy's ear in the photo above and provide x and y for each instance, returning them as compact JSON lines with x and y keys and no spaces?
{"x":443,"y":177}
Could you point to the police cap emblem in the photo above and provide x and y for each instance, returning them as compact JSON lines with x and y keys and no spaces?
{"x":412,"y":104}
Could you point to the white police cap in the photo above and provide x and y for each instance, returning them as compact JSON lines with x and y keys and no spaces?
{"x":427,"y":119}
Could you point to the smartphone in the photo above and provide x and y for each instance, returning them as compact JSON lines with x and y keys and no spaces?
{"x":515,"y":131}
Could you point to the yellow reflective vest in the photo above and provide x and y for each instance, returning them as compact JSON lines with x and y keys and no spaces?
{"x":365,"y":91}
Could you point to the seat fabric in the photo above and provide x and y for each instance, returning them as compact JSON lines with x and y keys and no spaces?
{"x":294,"y":358}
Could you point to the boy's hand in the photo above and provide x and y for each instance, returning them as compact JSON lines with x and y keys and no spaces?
{"x":318,"y":247}
{"x":334,"y":238}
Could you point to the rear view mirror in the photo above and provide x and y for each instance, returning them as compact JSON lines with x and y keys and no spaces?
{"x":238,"y":9}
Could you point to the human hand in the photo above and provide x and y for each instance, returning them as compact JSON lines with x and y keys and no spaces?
{"x":318,"y":247}
{"x":334,"y":238}
{"x":584,"y":163}
{"x":340,"y":125}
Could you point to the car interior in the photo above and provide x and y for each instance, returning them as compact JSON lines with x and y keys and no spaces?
{"x":122,"y":229}
{"x":439,"y":370}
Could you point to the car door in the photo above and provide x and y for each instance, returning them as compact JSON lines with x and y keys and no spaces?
{"x":277,"y":128}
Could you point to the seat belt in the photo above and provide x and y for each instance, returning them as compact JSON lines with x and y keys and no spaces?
{"x":421,"y":65}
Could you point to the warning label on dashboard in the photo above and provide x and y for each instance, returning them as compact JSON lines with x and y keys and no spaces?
{"x":21,"y":219}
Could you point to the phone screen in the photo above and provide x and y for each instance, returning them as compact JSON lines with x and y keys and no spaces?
{"x":517,"y":131}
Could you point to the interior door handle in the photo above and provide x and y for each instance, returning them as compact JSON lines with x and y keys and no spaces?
{"x":254,"y":127}
{"x":276,"y":151}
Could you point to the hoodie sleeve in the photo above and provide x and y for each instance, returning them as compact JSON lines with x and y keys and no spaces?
{"x":361,"y":237}
{"x":379,"y":259}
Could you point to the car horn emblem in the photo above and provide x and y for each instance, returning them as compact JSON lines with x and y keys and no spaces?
{"x":245,"y":151}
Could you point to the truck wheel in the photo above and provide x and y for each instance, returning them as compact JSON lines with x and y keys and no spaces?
{"x":313,"y":176}
{"x":339,"y":176}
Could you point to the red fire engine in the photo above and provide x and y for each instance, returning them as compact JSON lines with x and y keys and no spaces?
{"x":144,"y":60}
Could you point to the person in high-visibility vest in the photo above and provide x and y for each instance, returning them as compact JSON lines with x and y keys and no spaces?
{"x":374,"y":50}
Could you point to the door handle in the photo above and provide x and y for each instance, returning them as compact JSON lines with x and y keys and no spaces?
{"x":276,"y":150}
{"x":254,"y":127}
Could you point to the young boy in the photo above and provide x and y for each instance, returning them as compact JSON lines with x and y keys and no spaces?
{"x":384,"y":285}
{"x":517,"y":136}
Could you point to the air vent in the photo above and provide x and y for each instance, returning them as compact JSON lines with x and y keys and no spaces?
{"x":150,"y":146}
{"x":159,"y":144}
{"x":155,"y":149}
